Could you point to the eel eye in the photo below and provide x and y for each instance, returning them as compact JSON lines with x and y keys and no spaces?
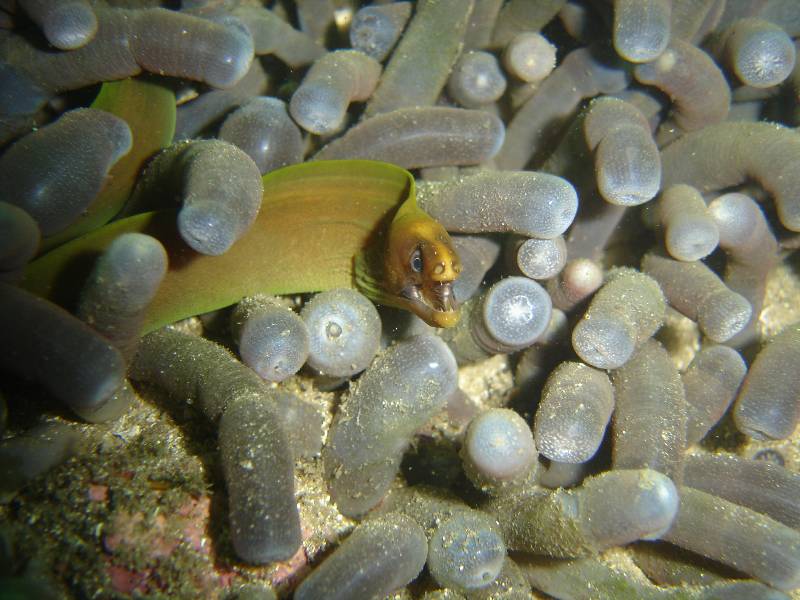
{"x":416,"y":261}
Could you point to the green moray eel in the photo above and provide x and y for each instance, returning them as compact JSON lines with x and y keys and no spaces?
{"x":322,"y":225}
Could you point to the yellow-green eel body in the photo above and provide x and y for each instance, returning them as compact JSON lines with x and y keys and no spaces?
{"x":317,"y":221}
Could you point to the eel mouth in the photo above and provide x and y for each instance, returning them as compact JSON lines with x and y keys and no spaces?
{"x":434,"y":303}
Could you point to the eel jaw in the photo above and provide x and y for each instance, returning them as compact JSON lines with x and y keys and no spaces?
{"x":434,"y":303}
